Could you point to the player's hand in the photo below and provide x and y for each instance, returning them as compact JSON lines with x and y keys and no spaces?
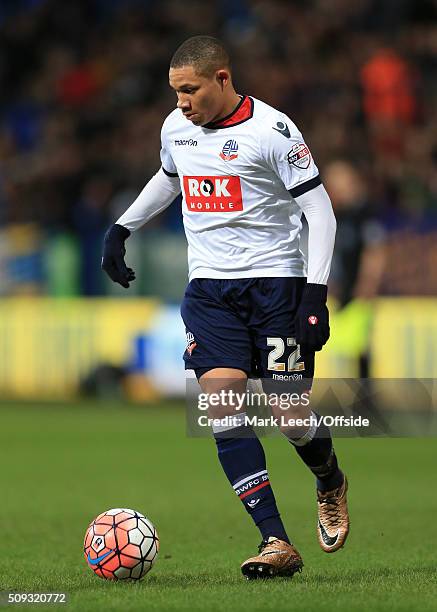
{"x":113,"y":256}
{"x":312,"y":318}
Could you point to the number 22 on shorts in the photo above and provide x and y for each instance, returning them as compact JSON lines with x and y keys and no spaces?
{"x":293,"y":363}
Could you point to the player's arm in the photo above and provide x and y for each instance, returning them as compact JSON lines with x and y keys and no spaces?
{"x":156,"y":196}
{"x":312,"y":318}
{"x":289,"y":157}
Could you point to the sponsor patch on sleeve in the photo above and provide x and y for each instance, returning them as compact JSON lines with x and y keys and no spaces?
{"x":299,"y":156}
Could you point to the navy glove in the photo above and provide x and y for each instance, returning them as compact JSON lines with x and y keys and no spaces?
{"x":312,"y":318}
{"x":113,"y":256}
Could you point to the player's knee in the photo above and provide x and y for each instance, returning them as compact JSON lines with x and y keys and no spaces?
{"x":225,"y":391}
{"x":292,"y":419}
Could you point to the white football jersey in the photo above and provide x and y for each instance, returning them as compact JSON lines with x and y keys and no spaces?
{"x":239,"y":178}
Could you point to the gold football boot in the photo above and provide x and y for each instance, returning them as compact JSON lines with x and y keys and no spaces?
{"x":275,"y":558}
{"x":333,"y":523}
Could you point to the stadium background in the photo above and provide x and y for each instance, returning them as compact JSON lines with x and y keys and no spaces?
{"x":83,"y":94}
{"x":89,"y":371}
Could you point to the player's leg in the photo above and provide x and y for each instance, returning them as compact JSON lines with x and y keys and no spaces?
{"x":315,"y":447}
{"x":280,"y":359}
{"x":217,"y":336}
{"x":243,"y":460}
{"x":242,"y":456}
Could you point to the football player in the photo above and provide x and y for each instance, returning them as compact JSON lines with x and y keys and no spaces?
{"x":246,"y":176}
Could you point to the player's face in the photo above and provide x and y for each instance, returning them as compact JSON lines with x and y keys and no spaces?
{"x":200,"y":98}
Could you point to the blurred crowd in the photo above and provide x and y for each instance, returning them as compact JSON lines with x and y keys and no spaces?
{"x":84,"y":91}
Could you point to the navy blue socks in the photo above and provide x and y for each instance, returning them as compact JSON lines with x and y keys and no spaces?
{"x":243,"y":460}
{"x":316,"y":451}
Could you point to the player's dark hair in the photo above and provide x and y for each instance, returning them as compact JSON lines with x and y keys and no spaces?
{"x":205,"y":53}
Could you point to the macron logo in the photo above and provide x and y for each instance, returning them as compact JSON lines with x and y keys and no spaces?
{"x":186,"y":143}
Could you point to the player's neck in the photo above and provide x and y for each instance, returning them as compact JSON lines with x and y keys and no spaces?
{"x":229,"y":107}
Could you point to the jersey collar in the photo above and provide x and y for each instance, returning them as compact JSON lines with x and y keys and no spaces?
{"x":241,"y":113}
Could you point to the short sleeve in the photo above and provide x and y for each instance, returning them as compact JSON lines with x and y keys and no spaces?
{"x":167,"y":162}
{"x":286,"y":153}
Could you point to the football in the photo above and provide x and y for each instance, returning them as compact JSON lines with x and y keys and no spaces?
{"x":121,"y":544}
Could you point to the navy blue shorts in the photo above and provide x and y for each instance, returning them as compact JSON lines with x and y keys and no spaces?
{"x":245,"y":324}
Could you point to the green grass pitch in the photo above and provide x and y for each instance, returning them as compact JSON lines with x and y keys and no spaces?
{"x":62,"y":465}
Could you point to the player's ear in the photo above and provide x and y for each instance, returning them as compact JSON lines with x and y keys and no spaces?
{"x":222,"y":77}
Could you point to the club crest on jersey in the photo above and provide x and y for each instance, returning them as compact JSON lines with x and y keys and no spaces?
{"x":230,"y":150}
{"x":299,"y":156}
